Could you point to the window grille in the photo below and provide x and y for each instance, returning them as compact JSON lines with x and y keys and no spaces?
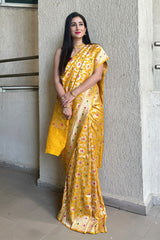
{"x":19,"y":3}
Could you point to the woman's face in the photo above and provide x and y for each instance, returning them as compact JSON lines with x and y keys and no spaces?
{"x":77,"y":27}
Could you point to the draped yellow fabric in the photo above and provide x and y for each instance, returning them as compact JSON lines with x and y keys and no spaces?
{"x":80,"y":143}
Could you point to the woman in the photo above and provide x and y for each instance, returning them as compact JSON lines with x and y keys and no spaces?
{"x":77,"y":126}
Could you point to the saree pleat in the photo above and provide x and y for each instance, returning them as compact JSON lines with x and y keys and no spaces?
{"x":81,"y":147}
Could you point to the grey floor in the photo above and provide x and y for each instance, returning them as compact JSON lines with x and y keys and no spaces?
{"x":29,"y":212}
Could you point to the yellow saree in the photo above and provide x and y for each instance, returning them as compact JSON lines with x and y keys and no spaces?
{"x":80,"y":143}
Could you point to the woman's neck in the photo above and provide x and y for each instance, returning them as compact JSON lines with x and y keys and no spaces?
{"x":77,"y":42}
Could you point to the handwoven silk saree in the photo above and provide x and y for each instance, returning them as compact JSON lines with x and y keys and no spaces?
{"x":80,"y":143}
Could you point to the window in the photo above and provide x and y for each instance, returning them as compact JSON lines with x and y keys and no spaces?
{"x":19,"y":3}
{"x":22,"y":1}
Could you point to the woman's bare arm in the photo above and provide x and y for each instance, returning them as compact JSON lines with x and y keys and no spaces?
{"x":57,"y":81}
{"x":90,"y":82}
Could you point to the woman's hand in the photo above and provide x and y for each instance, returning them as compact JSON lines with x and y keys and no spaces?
{"x":66,"y":99}
{"x":67,"y":111}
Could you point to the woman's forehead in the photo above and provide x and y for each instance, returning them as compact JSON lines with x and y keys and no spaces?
{"x":77,"y":19}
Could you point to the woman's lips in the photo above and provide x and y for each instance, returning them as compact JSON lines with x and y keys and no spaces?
{"x":78,"y":32}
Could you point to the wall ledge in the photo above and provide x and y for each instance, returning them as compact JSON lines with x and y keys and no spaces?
{"x":21,"y":168}
{"x":130,"y":206}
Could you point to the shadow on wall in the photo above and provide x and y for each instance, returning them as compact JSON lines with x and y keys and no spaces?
{"x":55,"y":171}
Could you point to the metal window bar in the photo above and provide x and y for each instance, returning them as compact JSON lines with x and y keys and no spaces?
{"x":19,"y":59}
{"x":13,"y":88}
{"x":8,"y":88}
{"x":19,"y":74}
{"x":3,"y":3}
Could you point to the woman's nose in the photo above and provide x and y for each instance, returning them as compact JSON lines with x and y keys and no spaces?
{"x":77,"y":27}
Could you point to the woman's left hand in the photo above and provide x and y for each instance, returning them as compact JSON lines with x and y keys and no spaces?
{"x":66,"y":99}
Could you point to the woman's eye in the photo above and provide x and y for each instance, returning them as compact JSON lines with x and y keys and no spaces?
{"x":73,"y":24}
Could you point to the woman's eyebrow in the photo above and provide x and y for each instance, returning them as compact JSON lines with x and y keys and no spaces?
{"x":78,"y":22}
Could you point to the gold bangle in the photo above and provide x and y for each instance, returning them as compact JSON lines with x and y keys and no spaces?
{"x":73,"y":94}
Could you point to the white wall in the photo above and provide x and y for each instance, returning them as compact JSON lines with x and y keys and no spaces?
{"x":156,"y":37}
{"x":150,"y":96}
{"x":146,"y":85}
{"x":154,"y":113}
{"x":151,"y":110}
{"x":113,"y":24}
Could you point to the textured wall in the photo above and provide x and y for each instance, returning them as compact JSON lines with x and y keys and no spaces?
{"x":113,"y":24}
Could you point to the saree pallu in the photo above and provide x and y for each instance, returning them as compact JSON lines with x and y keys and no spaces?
{"x":80,"y":143}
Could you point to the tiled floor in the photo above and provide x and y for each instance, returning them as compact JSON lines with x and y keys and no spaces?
{"x":28,"y":212}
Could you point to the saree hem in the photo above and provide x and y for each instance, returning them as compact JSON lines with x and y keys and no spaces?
{"x":105,"y":231}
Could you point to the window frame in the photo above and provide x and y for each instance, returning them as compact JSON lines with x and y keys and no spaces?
{"x":3,"y":3}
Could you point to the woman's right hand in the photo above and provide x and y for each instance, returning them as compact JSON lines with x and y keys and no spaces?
{"x":66,"y":99}
{"x":67,"y":111}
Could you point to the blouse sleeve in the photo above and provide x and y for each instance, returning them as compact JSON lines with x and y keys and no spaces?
{"x":100,"y":57}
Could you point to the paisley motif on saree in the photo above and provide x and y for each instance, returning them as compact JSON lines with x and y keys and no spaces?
{"x":80,"y":143}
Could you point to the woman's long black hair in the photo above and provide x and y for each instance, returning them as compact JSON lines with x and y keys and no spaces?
{"x":68,"y":42}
